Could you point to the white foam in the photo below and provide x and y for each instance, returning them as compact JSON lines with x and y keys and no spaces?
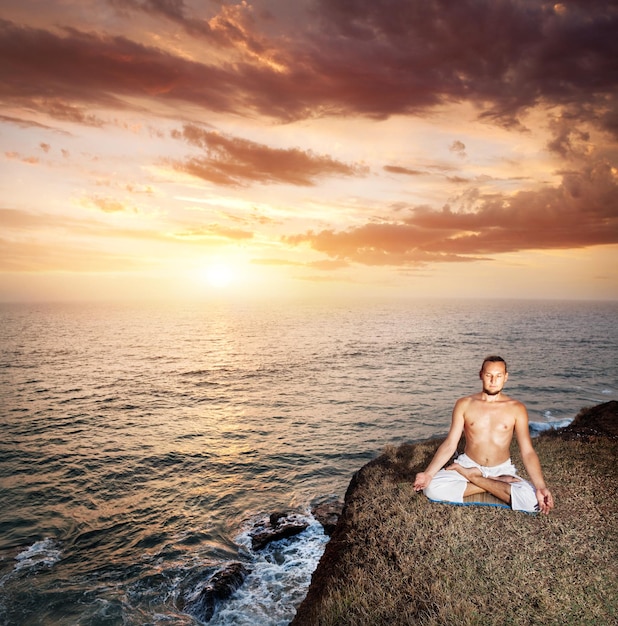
{"x":278,"y":582}
{"x":538,"y":427}
{"x":44,"y":553}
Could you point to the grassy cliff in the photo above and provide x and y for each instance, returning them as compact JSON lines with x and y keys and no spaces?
{"x":396,"y":558}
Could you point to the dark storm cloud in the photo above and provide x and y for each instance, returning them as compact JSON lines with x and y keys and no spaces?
{"x":360,"y":57}
{"x":504,"y":55}
{"x":53,"y":72}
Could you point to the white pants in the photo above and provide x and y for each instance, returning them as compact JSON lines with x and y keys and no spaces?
{"x":450,"y":485}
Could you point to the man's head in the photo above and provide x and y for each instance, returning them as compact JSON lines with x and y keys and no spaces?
{"x":493,"y":374}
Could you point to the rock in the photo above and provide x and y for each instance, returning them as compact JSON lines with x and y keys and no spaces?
{"x":598,"y":421}
{"x":220,"y":586}
{"x":327,"y":513}
{"x":279,"y":525}
{"x":275,"y":517}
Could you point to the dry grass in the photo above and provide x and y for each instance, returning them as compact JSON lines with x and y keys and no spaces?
{"x":397,"y":558}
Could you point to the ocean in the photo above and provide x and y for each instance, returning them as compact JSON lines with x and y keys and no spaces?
{"x":141,"y":443}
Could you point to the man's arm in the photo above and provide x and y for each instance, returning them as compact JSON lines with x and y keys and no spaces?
{"x":531,"y":460}
{"x":446,"y":449}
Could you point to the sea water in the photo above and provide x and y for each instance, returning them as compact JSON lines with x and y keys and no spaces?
{"x":140,"y":443}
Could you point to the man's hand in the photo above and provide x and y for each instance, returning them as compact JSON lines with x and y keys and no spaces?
{"x":422,"y":481}
{"x":545,"y":499}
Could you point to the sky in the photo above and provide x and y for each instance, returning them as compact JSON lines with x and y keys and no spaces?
{"x":181,"y":149}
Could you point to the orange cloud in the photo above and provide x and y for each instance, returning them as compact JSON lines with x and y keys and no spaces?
{"x":24,"y":123}
{"x":395,"y":169}
{"x":458,"y":148}
{"x":235,"y":161}
{"x":231,"y":27}
{"x":107,"y":205}
{"x":15,"y":156}
{"x":582,"y":211}
{"x":70,"y":113}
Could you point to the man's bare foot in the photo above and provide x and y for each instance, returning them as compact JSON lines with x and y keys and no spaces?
{"x":469,"y":472}
{"x":466,"y":472}
{"x":508,"y":479}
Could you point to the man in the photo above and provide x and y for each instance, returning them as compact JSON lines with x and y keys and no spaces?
{"x":488,"y":420}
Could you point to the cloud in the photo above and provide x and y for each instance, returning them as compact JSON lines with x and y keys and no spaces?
{"x":16,"y":156}
{"x":107,"y":205}
{"x":458,"y":148}
{"x":59,"y":74}
{"x":386,"y":243}
{"x":569,"y":141}
{"x":396,"y":169}
{"x":505,"y":56}
{"x":23,"y":123}
{"x":234,"y":161}
{"x":581,"y":211}
{"x":232,"y":27}
{"x":342,"y":57}
{"x":346,"y":59}
{"x":71,"y":113}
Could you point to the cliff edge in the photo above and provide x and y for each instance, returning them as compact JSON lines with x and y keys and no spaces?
{"x":396,"y":558}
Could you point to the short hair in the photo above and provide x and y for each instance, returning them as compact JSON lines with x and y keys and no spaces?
{"x":494,"y":359}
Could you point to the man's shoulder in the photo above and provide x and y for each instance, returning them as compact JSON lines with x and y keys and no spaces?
{"x":512,"y":401}
{"x":464,"y":405}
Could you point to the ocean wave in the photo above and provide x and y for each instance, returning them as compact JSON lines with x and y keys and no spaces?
{"x":44,"y":553}
{"x":278,"y":581}
{"x":539,"y":427}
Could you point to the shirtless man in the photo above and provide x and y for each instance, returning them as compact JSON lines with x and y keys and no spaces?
{"x":488,"y":420}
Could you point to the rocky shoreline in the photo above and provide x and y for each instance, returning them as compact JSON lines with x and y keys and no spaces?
{"x":589,"y":426}
{"x":221,"y":585}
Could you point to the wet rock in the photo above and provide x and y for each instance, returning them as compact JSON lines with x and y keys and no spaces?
{"x":327,"y":513}
{"x":220,"y":586}
{"x":275,"y":517}
{"x":280,"y":525}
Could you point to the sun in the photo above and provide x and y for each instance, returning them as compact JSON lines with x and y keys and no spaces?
{"x":219,"y":275}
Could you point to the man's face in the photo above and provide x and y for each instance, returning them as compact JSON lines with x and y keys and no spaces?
{"x":494,"y":376}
